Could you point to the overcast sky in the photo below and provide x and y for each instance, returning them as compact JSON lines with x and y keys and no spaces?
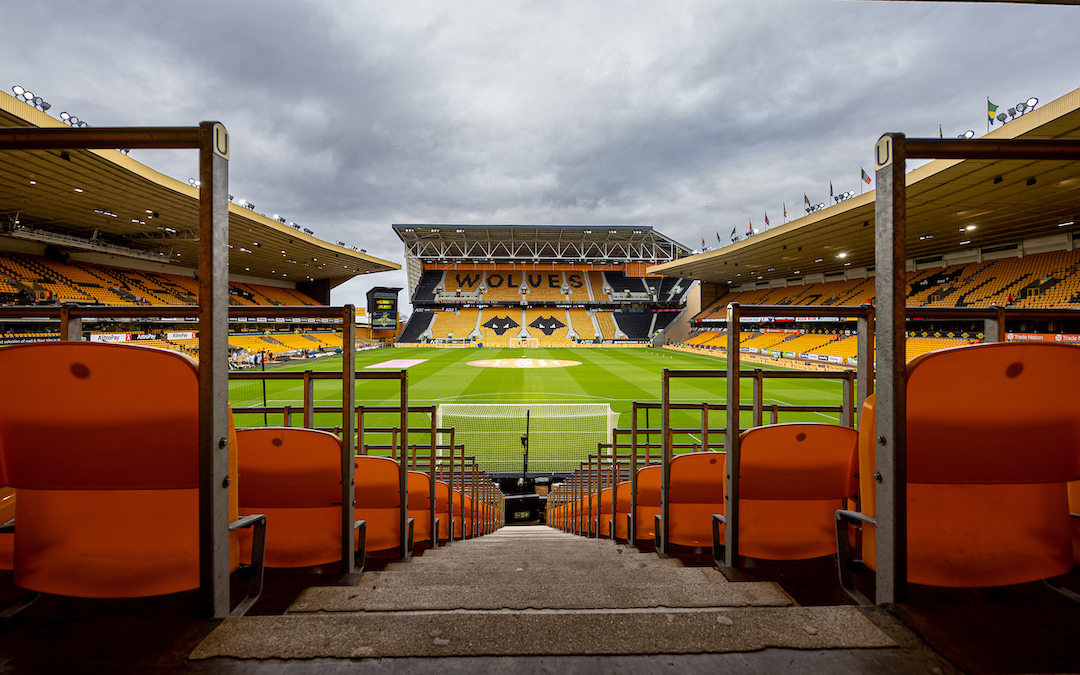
{"x":692,"y":117}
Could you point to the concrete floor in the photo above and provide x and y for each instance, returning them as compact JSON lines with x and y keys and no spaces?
{"x":520,"y":600}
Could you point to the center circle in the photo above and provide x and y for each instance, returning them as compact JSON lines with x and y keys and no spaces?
{"x":523,"y":363}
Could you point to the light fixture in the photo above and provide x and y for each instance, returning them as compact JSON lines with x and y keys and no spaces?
{"x":19,"y":91}
{"x":970,"y":228}
{"x":817,"y":260}
{"x":78,"y":190}
{"x":1066,"y":224}
{"x":969,"y":134}
{"x":841,"y":255}
{"x":965,"y":242}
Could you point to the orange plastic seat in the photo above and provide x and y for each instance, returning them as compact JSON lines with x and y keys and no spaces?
{"x":101,"y":441}
{"x":442,"y":509}
{"x":420,"y":505}
{"x":605,"y":513}
{"x":622,"y":510}
{"x":793,"y":479}
{"x":695,"y":494}
{"x":993,"y":438}
{"x":648,"y":502}
{"x":293,"y":476}
{"x":378,"y":502}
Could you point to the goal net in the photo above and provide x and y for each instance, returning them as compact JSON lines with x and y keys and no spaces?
{"x":561,"y":435}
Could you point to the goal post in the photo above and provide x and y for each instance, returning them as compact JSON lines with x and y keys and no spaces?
{"x":525,"y":342}
{"x":561,"y":435}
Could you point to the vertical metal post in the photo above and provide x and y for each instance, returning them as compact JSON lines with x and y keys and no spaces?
{"x":214,"y":476}
{"x":759,"y":396}
{"x":890,"y":215}
{"x":631,"y":525}
{"x":403,"y":468}
{"x":665,"y":459}
{"x":994,"y":329}
{"x":431,"y":481}
{"x":70,"y":326}
{"x":864,"y":385}
{"x":704,"y":426}
{"x":731,"y":439}
{"x":348,"y":438}
{"x":847,"y":413}
{"x":309,"y":398}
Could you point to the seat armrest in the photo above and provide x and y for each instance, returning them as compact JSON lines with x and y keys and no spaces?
{"x":258,"y":559}
{"x":360,"y":559}
{"x":717,"y":554}
{"x":844,"y":554}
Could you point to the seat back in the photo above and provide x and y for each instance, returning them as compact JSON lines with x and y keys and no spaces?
{"x":101,"y":441}
{"x":622,"y":509}
{"x":442,"y":509}
{"x":420,"y":505}
{"x":648,"y":501}
{"x":605,"y":513}
{"x":294,"y":477}
{"x":378,"y":501}
{"x":695,"y":494}
{"x":793,"y":478}
{"x":993,"y":437}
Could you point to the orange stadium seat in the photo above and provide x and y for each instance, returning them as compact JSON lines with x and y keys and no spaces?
{"x":696,"y":492}
{"x":420,"y":507}
{"x":378,"y":502}
{"x":442,"y":509}
{"x":793,"y":478}
{"x":293,"y":475}
{"x":993,"y":438}
{"x":648,"y":503}
{"x":622,"y":510}
{"x":99,"y":514}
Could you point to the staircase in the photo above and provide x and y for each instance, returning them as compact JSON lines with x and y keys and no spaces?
{"x":538,"y":591}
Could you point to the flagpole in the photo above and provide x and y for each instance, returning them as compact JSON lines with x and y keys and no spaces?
{"x":988,"y":114}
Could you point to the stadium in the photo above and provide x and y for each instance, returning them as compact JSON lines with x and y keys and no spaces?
{"x":849,"y":442}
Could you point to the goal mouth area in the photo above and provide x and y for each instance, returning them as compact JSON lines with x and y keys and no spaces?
{"x":560,"y":435}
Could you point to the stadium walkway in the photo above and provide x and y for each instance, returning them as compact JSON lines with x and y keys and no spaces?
{"x":536,"y":600}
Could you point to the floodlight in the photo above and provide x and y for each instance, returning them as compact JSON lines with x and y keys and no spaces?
{"x":27,"y":96}
{"x":969,"y":134}
{"x":65,"y":116}
{"x":1001,"y":117}
{"x":45,"y":105}
{"x":74,"y":121}
{"x":1012,"y":112}
{"x":1032,"y":102}
{"x":1021,"y":107}
{"x":19,"y":91}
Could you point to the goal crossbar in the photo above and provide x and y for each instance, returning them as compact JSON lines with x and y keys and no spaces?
{"x":561,"y":435}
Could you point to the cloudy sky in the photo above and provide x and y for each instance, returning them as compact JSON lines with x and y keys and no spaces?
{"x":692,"y":117}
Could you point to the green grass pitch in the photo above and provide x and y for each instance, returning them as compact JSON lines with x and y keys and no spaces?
{"x":614,"y":376}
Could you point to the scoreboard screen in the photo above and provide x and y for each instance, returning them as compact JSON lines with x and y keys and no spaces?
{"x":383,"y":307}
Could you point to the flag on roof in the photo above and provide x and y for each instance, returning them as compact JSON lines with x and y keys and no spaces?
{"x":785,"y":210}
{"x":733,"y":231}
{"x":865,"y":178}
{"x":990,"y":110}
{"x":766,"y":219}
{"x":830,"y":190}
{"x":703,"y":242}
{"x":806,"y":199}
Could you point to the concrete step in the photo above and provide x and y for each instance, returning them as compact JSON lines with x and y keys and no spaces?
{"x":502,"y":633}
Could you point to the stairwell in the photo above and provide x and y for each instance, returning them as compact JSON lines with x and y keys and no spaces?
{"x":539,"y":591}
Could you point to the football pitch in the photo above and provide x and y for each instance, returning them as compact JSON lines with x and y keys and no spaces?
{"x":617,"y":377}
